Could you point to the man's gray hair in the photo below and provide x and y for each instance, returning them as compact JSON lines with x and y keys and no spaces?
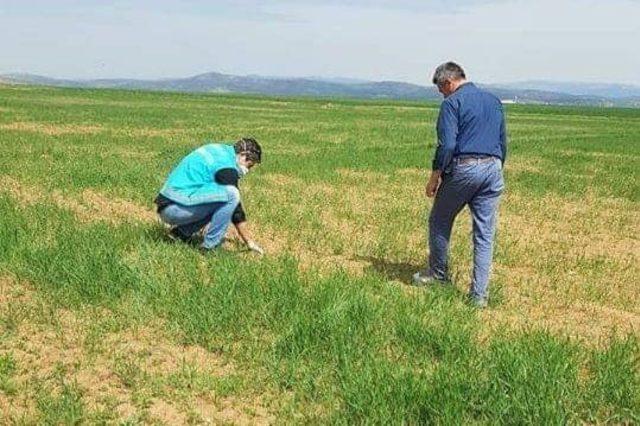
{"x":448,"y":71}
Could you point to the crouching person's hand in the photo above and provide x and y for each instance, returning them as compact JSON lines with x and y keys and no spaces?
{"x":243,"y":231}
{"x":253,"y":246}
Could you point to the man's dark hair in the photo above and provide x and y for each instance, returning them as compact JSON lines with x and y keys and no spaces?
{"x":448,"y":71}
{"x":249,"y":147}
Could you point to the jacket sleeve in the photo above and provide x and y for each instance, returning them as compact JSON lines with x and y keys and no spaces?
{"x":447,"y":129}
{"x":230,"y":176}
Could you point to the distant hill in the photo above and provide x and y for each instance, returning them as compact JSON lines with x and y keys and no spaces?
{"x":225,"y":83}
{"x":213,"y":82}
{"x":605,"y":90}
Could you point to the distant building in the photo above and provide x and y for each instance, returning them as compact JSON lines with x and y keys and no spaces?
{"x":508,"y":101}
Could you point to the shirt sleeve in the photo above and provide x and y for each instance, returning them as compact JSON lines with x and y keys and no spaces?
{"x":230,"y":176}
{"x":227,"y":176}
{"x":503,"y":138}
{"x":238,"y":215}
{"x":447,"y":129}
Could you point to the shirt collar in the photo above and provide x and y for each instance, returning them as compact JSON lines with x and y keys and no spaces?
{"x":464,"y":85}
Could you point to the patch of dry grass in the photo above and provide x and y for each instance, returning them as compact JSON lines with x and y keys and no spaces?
{"x":530,"y":165}
{"x":111,"y":368}
{"x":147,"y":132}
{"x":571,"y":266}
{"x":612,"y":155}
{"x":90,"y":206}
{"x":50,"y":129}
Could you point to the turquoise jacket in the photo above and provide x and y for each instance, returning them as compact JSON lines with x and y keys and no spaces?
{"x":192,"y":181}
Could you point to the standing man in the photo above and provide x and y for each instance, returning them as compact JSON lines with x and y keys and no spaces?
{"x":203,"y":190}
{"x":466,"y":170}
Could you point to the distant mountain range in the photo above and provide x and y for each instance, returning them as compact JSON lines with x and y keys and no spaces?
{"x":531,"y":92}
{"x":604,"y":90}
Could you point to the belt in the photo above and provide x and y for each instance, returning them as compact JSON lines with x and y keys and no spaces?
{"x":473,"y":160}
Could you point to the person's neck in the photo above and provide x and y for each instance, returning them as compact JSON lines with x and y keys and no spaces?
{"x":458,"y":84}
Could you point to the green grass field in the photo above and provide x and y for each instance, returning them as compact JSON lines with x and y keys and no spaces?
{"x":103,"y":321}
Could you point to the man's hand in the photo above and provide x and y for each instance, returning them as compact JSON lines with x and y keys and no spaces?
{"x":253,"y":246}
{"x":433,"y":184}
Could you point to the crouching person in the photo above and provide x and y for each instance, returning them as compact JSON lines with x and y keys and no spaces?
{"x":202,"y":191}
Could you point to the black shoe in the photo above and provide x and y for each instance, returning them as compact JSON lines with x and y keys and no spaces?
{"x":176,"y":236}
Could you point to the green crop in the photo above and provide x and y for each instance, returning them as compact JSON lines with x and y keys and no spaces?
{"x":128,"y":327}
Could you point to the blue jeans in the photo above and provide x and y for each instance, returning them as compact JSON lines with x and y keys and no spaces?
{"x":478,"y":185}
{"x":190,"y":219}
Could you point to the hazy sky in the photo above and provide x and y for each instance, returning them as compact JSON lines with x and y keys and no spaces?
{"x":495,"y":40}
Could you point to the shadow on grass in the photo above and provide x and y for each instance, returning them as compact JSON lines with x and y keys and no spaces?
{"x":402,"y":272}
{"x":393,"y":271}
{"x":158,"y":233}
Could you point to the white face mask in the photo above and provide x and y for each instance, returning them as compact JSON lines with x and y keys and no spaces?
{"x":244,"y":170}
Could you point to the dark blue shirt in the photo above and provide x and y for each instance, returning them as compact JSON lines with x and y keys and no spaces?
{"x":471,"y":122}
